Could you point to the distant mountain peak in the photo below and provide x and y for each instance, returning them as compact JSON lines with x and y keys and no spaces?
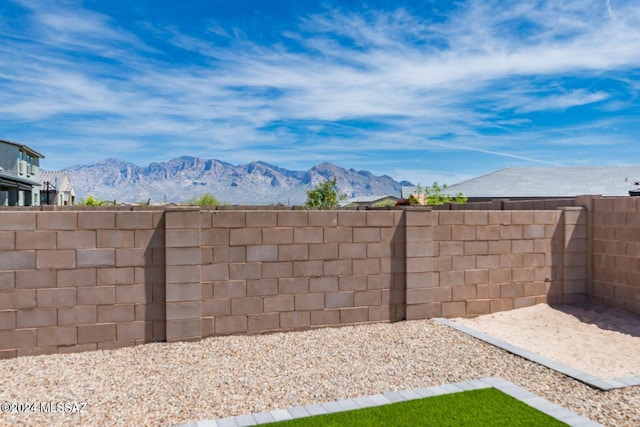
{"x":186,"y":177}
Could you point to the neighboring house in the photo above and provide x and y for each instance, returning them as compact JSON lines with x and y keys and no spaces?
{"x":371,"y":201}
{"x":19,"y":174}
{"x":56,"y":189}
{"x":547,"y":183}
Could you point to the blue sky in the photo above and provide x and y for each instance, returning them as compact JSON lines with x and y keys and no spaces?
{"x":418,"y":90}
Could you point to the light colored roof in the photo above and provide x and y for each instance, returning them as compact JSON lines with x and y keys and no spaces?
{"x":57,"y":178}
{"x":557,"y":181}
{"x":370,"y":199}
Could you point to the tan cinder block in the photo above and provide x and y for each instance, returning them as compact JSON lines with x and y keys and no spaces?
{"x":307,"y":268}
{"x":78,"y":348}
{"x":476,"y":217}
{"x":478,"y":307}
{"x":511,"y":232}
{"x":37,"y":318}
{"x":277,"y":236}
{"x":55,"y":259}
{"x":244,"y":271}
{"x":488,"y":261}
{"x":263,"y":322}
{"x":323,"y":284}
{"x":441,"y":294}
{"x":419,"y":311}
{"x":275,"y":270}
{"x":18,"y":339}
{"x":8,"y":240}
{"x":419,"y":296}
{"x":419,"y":280}
{"x":323,"y":251}
{"x":99,"y":295}
{"x":96,"y":220}
{"x":352,"y":218}
{"x":419,"y":234}
{"x":179,"y":310}
{"x":453,"y":309}
{"x":7,"y":319}
{"x":231,"y":325}
{"x":96,"y":333}
{"x":133,"y":257}
{"x":79,"y":315}
{"x":322,"y":218}
{"x":521,"y":246}
{"x":246,"y":305}
{"x":385,"y":250}
{"x":229,"y":254}
{"x":337,"y":267}
{"x":500,"y":247}
{"x":137,"y":331}
{"x":380,"y":218}
{"x":522,"y":217}
{"x":476,"y":248}
{"x":228,"y":219}
{"x":451,"y":278}
{"x":17,"y":299}
{"x":463,"y":262}
{"x":115,"y":238}
{"x":419,"y":265}
{"x":96,"y":258}
{"x":35,"y":279}
{"x":352,"y":283}
{"x":534,"y":260}
{"x":338,"y":234}
{"x":295,"y":320}
{"x":443,"y":263}
{"x":230,"y":289}
{"x":523,"y":302}
{"x":292,"y":218}
{"x":476,"y":276}
{"x":418,"y":218}
{"x":534,"y":231}
{"x":262,"y":253}
{"x":278,"y":303}
{"x":116,"y":313}
{"x":463,"y":293}
{"x":371,"y":297}
{"x":76,"y":239}
{"x":17,"y":260}
{"x":354,"y":315}
{"x":214,"y":236}
{"x":488,"y":232}
{"x":245,"y":236}
{"x":381,"y":314}
{"x":308,"y":235}
{"x":366,"y":266}
{"x":18,"y":221}
{"x":366,"y":234}
{"x":261,"y":219}
{"x":511,"y":261}
{"x":352,"y":250}
{"x":215,"y":272}
{"x":8,"y":354}
{"x":339,"y":300}
{"x":309,"y":301}
{"x":174,"y":292}
{"x":511,"y":290}
{"x":135,"y":294}
{"x":293,"y":252}
{"x":56,"y":220}
{"x":183,"y":329}
{"x":262,"y":287}
{"x":57,"y":335}
{"x":216,"y":307}
{"x":325,"y":317}
{"x":450,"y":248}
{"x":545,"y":217}
{"x":181,"y":256}
{"x":182,"y":238}
{"x":115,"y":276}
{"x":182,"y":274}
{"x":28,"y":239}
{"x":150,"y":312}
{"x":441,"y":233}
{"x":136,"y":220}
{"x":450,"y":218}
{"x":60,"y":297}
{"x":523,"y":274}
{"x":293,"y":285}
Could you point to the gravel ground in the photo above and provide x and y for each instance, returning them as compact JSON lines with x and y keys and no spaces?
{"x":168,"y":384}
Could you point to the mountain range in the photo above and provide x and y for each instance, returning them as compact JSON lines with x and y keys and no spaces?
{"x":256,"y":183}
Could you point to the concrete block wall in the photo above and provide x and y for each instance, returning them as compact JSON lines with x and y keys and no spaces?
{"x":290,"y":270}
{"x":616,"y":252}
{"x":74,"y":281}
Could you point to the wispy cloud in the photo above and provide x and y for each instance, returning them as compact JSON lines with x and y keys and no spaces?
{"x":338,"y":83}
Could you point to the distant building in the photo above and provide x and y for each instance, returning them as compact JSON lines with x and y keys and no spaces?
{"x":19,"y":174}
{"x":547,"y":183}
{"x":370,"y":201}
{"x":56,"y":189}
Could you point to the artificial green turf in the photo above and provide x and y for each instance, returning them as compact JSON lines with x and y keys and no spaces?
{"x":484,"y":407}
